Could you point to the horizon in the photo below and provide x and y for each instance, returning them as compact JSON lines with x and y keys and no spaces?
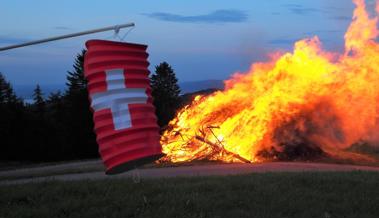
{"x":25,"y":91}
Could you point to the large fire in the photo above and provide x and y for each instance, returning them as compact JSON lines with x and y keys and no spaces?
{"x":305,"y":101}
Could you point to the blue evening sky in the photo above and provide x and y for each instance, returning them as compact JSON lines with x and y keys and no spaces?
{"x":200,"y":39}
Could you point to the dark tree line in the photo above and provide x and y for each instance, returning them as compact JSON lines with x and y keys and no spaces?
{"x":60,"y":126}
{"x":56,"y":128}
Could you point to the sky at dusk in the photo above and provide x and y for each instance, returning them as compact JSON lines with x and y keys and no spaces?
{"x":201,"y":39}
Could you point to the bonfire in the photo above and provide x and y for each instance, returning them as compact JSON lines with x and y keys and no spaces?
{"x":302,"y":103}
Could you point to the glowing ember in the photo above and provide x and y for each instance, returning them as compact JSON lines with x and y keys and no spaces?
{"x":305,"y":102}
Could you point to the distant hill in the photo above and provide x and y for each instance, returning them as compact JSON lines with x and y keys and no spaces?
{"x":26,"y":91}
{"x":188,"y":97}
{"x":194,"y":86}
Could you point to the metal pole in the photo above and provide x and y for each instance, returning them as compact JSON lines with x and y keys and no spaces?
{"x":116,"y":28}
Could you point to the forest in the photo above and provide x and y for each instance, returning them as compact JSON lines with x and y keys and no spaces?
{"x":58,"y":126}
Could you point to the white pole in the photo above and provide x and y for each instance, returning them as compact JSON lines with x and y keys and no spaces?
{"x":116,"y":28}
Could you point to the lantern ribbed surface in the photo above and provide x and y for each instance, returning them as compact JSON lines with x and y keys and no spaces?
{"x":120,"y":94}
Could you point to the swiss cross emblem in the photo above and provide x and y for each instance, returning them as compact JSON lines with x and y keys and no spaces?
{"x":117,"y":98}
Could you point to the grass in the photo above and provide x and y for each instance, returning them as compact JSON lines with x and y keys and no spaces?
{"x":16,"y":165}
{"x":45,"y":173}
{"x":307,"y":194}
{"x":53,"y":169}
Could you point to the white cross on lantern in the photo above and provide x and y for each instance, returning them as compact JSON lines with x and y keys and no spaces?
{"x":117,"y":97}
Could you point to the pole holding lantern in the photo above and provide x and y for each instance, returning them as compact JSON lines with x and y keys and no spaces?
{"x":116,"y":28}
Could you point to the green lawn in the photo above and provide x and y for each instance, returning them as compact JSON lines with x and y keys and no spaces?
{"x":322,"y":195}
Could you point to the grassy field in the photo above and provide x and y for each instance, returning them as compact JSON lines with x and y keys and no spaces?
{"x":77,"y":167}
{"x":323,"y":195}
{"x":25,"y":171}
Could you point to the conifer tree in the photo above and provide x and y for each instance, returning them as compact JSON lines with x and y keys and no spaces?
{"x":12,"y":122}
{"x":7,"y":95}
{"x":78,"y":116}
{"x":39,"y":102}
{"x":3,"y":84}
{"x":165,"y":91}
{"x":76,"y":81}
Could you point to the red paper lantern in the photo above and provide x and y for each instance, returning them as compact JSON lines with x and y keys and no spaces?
{"x":120,"y":94}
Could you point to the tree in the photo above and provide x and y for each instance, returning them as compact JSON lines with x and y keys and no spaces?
{"x":39,"y":102}
{"x":79,"y":123}
{"x":165,"y":91}
{"x":12,"y":122}
{"x":3,"y":86}
{"x":76,"y":81}
{"x":7,"y":94}
{"x":39,"y":135}
{"x":55,"y":106}
{"x":55,"y":97}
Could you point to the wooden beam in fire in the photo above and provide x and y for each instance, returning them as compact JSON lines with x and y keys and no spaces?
{"x":218,"y":147}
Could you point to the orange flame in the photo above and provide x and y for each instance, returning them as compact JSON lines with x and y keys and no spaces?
{"x":307,"y":98}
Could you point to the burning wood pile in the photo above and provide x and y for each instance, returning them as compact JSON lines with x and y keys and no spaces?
{"x":304,"y":103}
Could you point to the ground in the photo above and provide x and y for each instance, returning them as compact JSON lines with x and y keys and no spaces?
{"x":290,"y":194}
{"x":274,"y":189}
{"x":94,"y":170}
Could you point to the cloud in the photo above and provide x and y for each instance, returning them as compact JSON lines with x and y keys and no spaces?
{"x":290,"y":41}
{"x":62,"y":28}
{"x":342,"y":18}
{"x":323,"y":32}
{"x":219,"y":16}
{"x":12,"y":40}
{"x":282,"y":41}
{"x":300,"y":9}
